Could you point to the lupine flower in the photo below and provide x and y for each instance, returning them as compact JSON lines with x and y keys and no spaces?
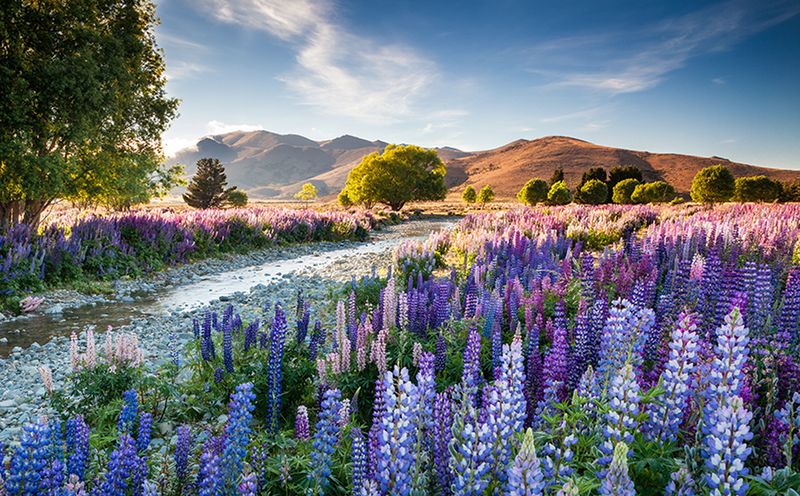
{"x":358,"y":451}
{"x":344,"y":413}
{"x":727,"y":449}
{"x":206,"y":342}
{"x":442,"y":434}
{"x":145,"y":429}
{"x":227,"y":347}
{"x":557,"y":458}
{"x":210,"y":477}
{"x":726,"y":375}
{"x":218,"y":375}
{"x":623,"y":409}
{"x":237,"y":432}
{"x":275,"y":369}
{"x":472,"y":356}
{"x":30,"y":460}
{"x":127,"y":417}
{"x":182,"y":449}
{"x":249,"y":484}
{"x":569,"y":489}
{"x":397,"y":458}
{"x":681,"y":484}
{"x":301,"y":431}
{"x":467,"y":451}
{"x":617,"y":482}
{"x":525,"y":474}
{"x":667,"y":414}
{"x":47,"y":378}
{"x":326,"y":438}
{"x":620,"y":339}
{"x":77,"y":446}
{"x":555,"y":361}
{"x":125,"y":468}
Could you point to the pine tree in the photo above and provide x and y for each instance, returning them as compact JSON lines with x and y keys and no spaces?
{"x":207,"y":188}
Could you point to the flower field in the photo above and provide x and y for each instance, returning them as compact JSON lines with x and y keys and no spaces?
{"x":561,"y":351}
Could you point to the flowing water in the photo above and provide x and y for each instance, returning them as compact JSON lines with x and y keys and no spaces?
{"x":40,"y":328}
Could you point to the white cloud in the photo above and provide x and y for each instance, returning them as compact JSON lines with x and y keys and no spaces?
{"x":718,"y":80}
{"x":337,"y":71}
{"x":217,"y":127}
{"x":638,"y":59}
{"x":185,"y":70}
{"x":174,"y":144}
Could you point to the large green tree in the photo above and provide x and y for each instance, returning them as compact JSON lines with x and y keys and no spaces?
{"x":621,"y":173}
{"x":655,"y":192}
{"x":757,"y":189}
{"x":593,"y":192}
{"x":402,"y":173}
{"x":207,"y":188}
{"x":533,"y":192}
{"x":83,"y":105}
{"x":713,"y":184}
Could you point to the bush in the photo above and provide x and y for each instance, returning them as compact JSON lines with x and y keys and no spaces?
{"x":593,"y":192}
{"x":655,"y":192}
{"x":757,"y":189}
{"x":237,"y":198}
{"x":469,"y":195}
{"x":713,"y":184}
{"x":623,"y":191}
{"x":486,"y":195}
{"x":344,"y":199}
{"x":559,"y":194}
{"x":534,"y":191}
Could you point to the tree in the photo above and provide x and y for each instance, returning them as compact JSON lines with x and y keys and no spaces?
{"x":757,"y":189}
{"x":237,"y":198}
{"x":558,"y":175}
{"x":597,"y":173}
{"x":344,"y":199}
{"x":486,"y":195}
{"x":713,"y":184}
{"x":469,"y":195}
{"x":534,"y":191}
{"x":400,"y":174}
{"x":593,"y":192}
{"x":655,"y":192}
{"x":619,"y":174}
{"x":84,"y":106}
{"x":559,"y":194}
{"x":790,"y":191}
{"x":207,"y":187}
{"x":307,"y":193}
{"x":623,"y":191}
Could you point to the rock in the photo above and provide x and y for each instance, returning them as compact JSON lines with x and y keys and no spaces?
{"x":7,"y":404}
{"x":2,"y":317}
{"x":3,"y":340}
{"x":54,"y":309}
{"x":222,"y":419}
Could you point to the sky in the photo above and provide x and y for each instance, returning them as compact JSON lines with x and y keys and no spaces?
{"x":700,"y":78}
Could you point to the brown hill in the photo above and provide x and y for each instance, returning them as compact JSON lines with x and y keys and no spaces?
{"x":507,"y":168}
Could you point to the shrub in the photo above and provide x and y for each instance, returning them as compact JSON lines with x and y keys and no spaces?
{"x":307,"y":193}
{"x":469,"y":195}
{"x":534,"y":191}
{"x":559,"y":194}
{"x":237,"y":198}
{"x":713,"y":184}
{"x":344,"y":199}
{"x":593,"y":192}
{"x":486,"y":195}
{"x":757,"y":189}
{"x":623,"y":191}
{"x":558,"y":175}
{"x":655,"y":192}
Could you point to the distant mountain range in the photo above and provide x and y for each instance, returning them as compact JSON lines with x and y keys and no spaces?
{"x":270,"y":165}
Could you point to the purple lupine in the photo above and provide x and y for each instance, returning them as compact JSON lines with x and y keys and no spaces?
{"x":125,"y":469}
{"x":206,"y":341}
{"x":681,"y":484}
{"x":789,"y":321}
{"x":472,"y":356}
{"x":326,"y":438}
{"x":77,"y":446}
{"x":533,"y":370}
{"x":442,"y":434}
{"x":426,"y":391}
{"x":210,"y":480}
{"x":726,"y":376}
{"x":250,"y":335}
{"x":183,"y":447}
{"x":584,"y":345}
{"x":317,"y":340}
{"x":396,"y":457}
{"x":617,"y":482}
{"x":727,"y":449}
{"x":275,"y":370}
{"x":218,"y":375}
{"x":525,"y":473}
{"x":620,"y":419}
{"x":358,"y":450}
{"x":467,"y":450}
{"x":144,"y":432}
{"x":555,"y":361}
{"x":301,"y":430}
{"x":441,"y":354}
{"x":227,"y":346}
{"x":237,"y":432}
{"x":303,"y":318}
{"x":378,"y":410}
{"x":249,"y":484}
{"x":665,"y":415}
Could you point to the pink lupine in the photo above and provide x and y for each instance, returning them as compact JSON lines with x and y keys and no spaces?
{"x":416,"y":353}
{"x":74,"y":358}
{"x":91,"y":351}
{"x":361,"y":345}
{"x":378,"y":355}
{"x":47,"y":378}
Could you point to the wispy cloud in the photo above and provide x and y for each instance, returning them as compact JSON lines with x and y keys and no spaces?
{"x":177,"y":71}
{"x":718,"y":80}
{"x":633,"y":60}
{"x":217,"y":127}
{"x":337,"y":71}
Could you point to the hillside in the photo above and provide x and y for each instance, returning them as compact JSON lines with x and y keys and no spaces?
{"x":270,"y":165}
{"x":508,"y":167}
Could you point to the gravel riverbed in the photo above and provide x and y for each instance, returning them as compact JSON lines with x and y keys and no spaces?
{"x":23,"y":397}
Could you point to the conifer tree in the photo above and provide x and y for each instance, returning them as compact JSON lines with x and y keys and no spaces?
{"x":208,"y":186}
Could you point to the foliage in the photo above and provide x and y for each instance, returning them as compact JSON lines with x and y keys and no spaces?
{"x":485,"y":195}
{"x":207,"y":189}
{"x":558,"y":175}
{"x":623,"y":191}
{"x":84,"y":107}
{"x":593,"y":192}
{"x":596,"y":173}
{"x":344,"y":199}
{"x":559,"y":194}
{"x":655,"y":192}
{"x":398,"y":175}
{"x":307,"y":193}
{"x":533,"y":192}
{"x":757,"y":189}
{"x":237,"y":198}
{"x":619,"y":174}
{"x":469,"y":195}
{"x":713,"y":185}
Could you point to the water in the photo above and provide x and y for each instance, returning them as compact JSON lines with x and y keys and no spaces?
{"x":40,"y":328}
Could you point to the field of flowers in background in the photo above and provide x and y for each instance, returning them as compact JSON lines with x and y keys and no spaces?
{"x":570,"y":350}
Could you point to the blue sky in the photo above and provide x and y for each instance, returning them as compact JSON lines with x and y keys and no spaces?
{"x":718,"y":78}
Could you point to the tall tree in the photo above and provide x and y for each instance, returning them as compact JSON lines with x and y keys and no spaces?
{"x":208,"y":186}
{"x":558,"y":175}
{"x":713,"y":184}
{"x":84,"y":105}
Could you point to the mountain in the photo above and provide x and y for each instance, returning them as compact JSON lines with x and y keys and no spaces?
{"x":508,"y":167}
{"x":268,"y":165}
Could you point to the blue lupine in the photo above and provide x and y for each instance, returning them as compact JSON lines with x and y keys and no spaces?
{"x":472,"y":356}
{"x":326,"y":438}
{"x":145,"y":429}
{"x":358,"y":451}
{"x":317,"y":340}
{"x":666,"y":415}
{"x":77,"y":446}
{"x":681,"y":484}
{"x":250,"y":334}
{"x":441,"y":353}
{"x":127,"y":417}
{"x":618,"y":340}
{"x":206,"y":341}
{"x":557,"y":458}
{"x":617,"y":482}
{"x":397,"y":458}
{"x":210,"y":477}
{"x":249,"y":484}
{"x":378,"y":410}
{"x":227,"y":347}
{"x":30,"y":460}
{"x":727,"y":449}
{"x":467,"y":451}
{"x":149,"y":489}
{"x":525,"y":474}
{"x":183,"y":447}
{"x":726,"y":375}
{"x":237,"y":432}
{"x":555,"y":361}
{"x":126,"y":470}
{"x":218,"y":375}
{"x":275,"y":370}
{"x":442,"y":434}
{"x":620,"y":419}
